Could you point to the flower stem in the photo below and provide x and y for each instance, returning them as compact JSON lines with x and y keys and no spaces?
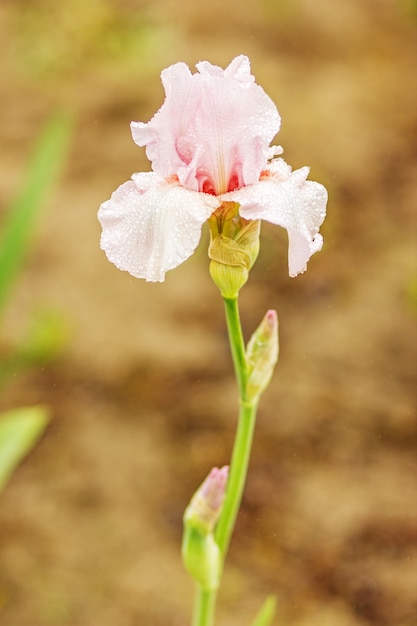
{"x":204,"y":607}
{"x":244,"y":435}
{"x":205,"y":601}
{"x":237,"y":478}
{"x":237,"y":344}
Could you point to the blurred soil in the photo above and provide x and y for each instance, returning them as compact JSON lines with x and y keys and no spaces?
{"x":142,"y":394}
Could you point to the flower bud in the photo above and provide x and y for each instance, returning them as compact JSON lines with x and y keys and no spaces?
{"x":234,"y":247}
{"x":200,"y":553}
{"x":262,"y":355}
{"x":206,"y":504}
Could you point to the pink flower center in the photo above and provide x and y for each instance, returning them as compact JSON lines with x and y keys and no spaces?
{"x":212,"y":175}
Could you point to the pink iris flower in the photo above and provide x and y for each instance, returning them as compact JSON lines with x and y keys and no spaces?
{"x":208,"y":144}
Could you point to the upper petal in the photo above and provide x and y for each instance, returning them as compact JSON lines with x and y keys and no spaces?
{"x":170,"y":123}
{"x":286,"y":198}
{"x":238,"y":69}
{"x":213,"y":130}
{"x":235,"y":124}
{"x":151,"y":226}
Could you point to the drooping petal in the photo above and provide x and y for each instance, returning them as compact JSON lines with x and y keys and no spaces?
{"x":287,"y":199}
{"x":213,"y":130}
{"x":151,"y":226}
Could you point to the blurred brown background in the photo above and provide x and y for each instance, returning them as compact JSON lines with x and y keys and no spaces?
{"x":142,"y":391}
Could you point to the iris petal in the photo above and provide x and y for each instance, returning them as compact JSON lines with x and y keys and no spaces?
{"x":151,"y":226}
{"x":287,"y":199}
{"x":208,"y":143}
{"x":214,"y":125}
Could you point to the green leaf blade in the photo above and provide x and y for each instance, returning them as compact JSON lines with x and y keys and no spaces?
{"x":47,"y":160}
{"x":266,"y":613}
{"x":20,"y":430}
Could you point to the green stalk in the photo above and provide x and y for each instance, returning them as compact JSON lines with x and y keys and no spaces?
{"x":205,"y":601}
{"x":244,"y":435}
{"x":237,"y":344}
{"x":204,"y":607}
{"x":237,"y":477}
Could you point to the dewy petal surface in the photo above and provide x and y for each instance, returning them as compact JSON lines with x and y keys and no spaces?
{"x":289,"y":200}
{"x":213,"y":130}
{"x":151,"y":226}
{"x":211,"y":139}
{"x":161,"y":134}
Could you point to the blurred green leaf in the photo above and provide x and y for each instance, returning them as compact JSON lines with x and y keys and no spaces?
{"x":266,"y":613}
{"x":46,"y":338}
{"x":48,"y":157}
{"x":20,"y":429}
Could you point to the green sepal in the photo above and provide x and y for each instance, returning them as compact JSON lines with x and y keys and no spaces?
{"x":201,"y":557}
{"x":233,"y":249}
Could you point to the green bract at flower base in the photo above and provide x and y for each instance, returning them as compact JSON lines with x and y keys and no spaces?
{"x":234,"y":247}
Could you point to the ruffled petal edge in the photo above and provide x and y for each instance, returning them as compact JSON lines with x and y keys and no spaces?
{"x":151,"y":225}
{"x":289,"y":200}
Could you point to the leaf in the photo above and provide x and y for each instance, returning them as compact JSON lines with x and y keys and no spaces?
{"x":46,"y":338}
{"x":266,"y":613}
{"x":20,"y":429}
{"x":44,"y":167}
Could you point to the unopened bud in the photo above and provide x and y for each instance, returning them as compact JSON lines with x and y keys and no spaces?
{"x":262,"y":355}
{"x":206,"y":504}
{"x":234,"y":247}
{"x":200,"y":553}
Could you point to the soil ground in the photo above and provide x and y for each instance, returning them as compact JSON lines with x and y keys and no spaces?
{"x":142,"y":395}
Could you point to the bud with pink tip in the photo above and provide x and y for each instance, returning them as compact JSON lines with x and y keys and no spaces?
{"x":206,"y":504}
{"x":262,"y":355}
{"x":200,"y":552}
